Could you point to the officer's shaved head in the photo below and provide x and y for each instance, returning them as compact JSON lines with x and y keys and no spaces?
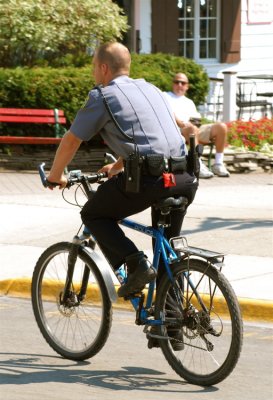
{"x":116,"y":56}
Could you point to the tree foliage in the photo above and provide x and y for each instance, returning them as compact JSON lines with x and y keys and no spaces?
{"x":36,"y":30}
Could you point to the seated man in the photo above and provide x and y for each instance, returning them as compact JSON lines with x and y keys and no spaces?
{"x":184,"y":109}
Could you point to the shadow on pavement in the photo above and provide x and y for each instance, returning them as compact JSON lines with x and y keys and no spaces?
{"x":22,"y":369}
{"x":210,"y":224}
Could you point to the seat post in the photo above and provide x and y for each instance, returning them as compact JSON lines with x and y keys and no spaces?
{"x":166,"y":205}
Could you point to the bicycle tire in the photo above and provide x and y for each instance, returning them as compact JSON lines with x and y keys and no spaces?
{"x":204,"y":358}
{"x":77,"y":332}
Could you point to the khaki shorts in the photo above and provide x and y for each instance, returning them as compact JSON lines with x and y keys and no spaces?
{"x":204,"y":133}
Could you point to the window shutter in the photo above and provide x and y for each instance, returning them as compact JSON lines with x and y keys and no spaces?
{"x":231,"y":31}
{"x":165,"y":26}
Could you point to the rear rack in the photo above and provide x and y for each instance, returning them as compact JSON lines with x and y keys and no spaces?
{"x":180,"y":244}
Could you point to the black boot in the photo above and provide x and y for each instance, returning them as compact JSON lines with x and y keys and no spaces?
{"x":176,"y":336}
{"x":177,"y":341}
{"x":139,"y":273}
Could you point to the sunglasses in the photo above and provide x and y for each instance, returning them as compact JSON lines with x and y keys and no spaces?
{"x":182,"y":82}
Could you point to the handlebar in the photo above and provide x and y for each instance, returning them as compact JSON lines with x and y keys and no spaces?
{"x":75,"y":177}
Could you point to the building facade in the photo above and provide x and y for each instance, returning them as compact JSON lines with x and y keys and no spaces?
{"x":218,"y":34}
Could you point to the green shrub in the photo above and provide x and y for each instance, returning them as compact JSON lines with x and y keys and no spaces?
{"x":159,"y":69}
{"x":63,"y":88}
{"x":67,"y":88}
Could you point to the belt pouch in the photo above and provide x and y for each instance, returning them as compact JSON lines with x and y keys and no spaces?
{"x":156,"y":164}
{"x":178,"y":164}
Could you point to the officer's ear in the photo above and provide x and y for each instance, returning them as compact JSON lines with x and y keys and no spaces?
{"x":104,"y":68}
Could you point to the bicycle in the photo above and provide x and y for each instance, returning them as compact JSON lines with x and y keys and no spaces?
{"x":73,"y":292}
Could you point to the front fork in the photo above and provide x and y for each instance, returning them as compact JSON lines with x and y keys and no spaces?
{"x":68,"y":297}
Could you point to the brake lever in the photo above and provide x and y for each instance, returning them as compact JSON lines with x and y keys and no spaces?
{"x":109,"y":158}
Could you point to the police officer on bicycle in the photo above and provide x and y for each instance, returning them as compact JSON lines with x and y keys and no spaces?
{"x":137,"y":124}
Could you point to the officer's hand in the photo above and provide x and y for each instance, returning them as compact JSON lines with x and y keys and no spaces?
{"x":111,"y":169}
{"x":62,"y":182}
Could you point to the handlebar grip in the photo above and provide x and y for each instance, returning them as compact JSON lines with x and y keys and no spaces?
{"x":102,"y":175}
{"x":42,"y":174}
{"x":71,"y":181}
{"x":43,"y":177}
{"x":96,"y":177}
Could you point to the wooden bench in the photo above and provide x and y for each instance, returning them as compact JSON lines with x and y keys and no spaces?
{"x":17,"y":115}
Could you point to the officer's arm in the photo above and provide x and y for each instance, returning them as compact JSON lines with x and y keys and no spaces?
{"x":64,"y":154}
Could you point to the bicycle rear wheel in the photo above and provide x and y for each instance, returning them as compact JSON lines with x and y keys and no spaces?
{"x":203,"y":323}
{"x":78,"y":329}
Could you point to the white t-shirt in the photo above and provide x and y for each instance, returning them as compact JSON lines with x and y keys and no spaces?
{"x":183,"y":107}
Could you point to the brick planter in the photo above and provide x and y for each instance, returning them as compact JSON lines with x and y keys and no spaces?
{"x":86,"y":159}
{"x":243,"y":161}
{"x":90,"y":159}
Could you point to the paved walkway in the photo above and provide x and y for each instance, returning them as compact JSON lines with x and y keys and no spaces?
{"x":231,"y":215}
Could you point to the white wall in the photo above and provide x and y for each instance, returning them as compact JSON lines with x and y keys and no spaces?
{"x":256,"y":47}
{"x":256,"y":43}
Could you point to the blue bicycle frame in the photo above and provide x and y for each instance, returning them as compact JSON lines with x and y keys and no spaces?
{"x":161,"y":248}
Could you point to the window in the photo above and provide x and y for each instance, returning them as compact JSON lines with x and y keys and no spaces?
{"x":199,"y":29}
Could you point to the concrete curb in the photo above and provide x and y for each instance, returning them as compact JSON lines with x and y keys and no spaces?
{"x":252,"y":309}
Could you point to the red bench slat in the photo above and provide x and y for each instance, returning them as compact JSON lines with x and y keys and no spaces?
{"x":30,"y":119}
{"x":34,"y":116}
{"x":29,"y":111}
{"x":29,"y":140}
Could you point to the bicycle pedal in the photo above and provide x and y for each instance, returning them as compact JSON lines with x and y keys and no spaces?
{"x":153,"y":340}
{"x":134,"y":295}
{"x":153,"y":343}
{"x":153,"y":336}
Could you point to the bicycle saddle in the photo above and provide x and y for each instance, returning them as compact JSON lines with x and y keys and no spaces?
{"x":169,"y":202}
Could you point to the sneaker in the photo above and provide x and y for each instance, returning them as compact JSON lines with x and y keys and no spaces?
{"x":220,"y":170}
{"x":205,"y":173}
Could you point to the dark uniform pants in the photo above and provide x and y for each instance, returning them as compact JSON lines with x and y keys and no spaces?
{"x":111,"y":203}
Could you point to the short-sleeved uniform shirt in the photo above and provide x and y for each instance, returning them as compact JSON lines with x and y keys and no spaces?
{"x":142,"y":112}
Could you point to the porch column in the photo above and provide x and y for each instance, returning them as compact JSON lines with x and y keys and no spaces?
{"x":229,"y":106}
{"x":137,"y":42}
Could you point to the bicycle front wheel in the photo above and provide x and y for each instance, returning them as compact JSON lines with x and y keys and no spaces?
{"x":78,"y":329}
{"x":203,"y":325}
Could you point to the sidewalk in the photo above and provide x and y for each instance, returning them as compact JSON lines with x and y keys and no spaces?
{"x":231,"y":215}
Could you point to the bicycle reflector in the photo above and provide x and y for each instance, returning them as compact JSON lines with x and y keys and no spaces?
{"x":179,"y":243}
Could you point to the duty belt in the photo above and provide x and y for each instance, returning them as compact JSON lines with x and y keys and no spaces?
{"x":157,"y":164}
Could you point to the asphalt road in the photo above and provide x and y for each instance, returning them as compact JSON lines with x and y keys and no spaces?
{"x":231,"y":215}
{"x":125,"y":368}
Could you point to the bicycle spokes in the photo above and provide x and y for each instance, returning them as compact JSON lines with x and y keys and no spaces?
{"x":202,"y":323}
